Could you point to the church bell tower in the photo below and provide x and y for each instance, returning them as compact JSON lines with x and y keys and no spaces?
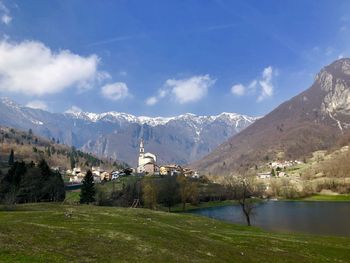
{"x":141,"y":153}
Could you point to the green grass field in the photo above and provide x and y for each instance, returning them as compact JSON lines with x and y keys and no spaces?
{"x":189,"y":207}
{"x":340,"y":197}
{"x":43,"y":233}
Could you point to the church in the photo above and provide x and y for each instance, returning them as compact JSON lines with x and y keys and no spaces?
{"x":147,"y":161}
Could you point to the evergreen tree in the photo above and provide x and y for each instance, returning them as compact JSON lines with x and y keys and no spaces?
{"x":11,"y":158}
{"x":31,"y":187}
{"x":273,"y":172}
{"x":72,"y":162}
{"x":29,"y":183}
{"x":45,"y":174}
{"x":45,"y":170}
{"x":48,"y":151}
{"x":10,"y":183}
{"x":87,"y":193}
{"x":55,"y":187}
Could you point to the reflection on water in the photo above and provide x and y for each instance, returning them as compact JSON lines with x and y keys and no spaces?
{"x":324,"y":218}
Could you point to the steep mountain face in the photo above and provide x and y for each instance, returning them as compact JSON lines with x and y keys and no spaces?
{"x":180,"y":139}
{"x":313,"y":120}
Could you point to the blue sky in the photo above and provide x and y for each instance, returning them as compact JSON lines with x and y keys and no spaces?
{"x":164,"y":58}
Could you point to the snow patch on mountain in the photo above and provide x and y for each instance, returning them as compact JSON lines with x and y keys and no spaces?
{"x":195,"y":120}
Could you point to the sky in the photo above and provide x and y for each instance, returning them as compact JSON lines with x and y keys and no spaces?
{"x":167,"y":57}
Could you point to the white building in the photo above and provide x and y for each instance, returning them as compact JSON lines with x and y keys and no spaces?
{"x":146,"y":160}
{"x":264,"y":175}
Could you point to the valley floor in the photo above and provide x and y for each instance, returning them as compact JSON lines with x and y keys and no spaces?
{"x":65,"y":233}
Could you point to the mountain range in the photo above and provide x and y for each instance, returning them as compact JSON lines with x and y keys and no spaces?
{"x":181,"y":139}
{"x":316,"y":119}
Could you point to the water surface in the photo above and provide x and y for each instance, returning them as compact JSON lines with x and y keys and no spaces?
{"x":323,"y":218}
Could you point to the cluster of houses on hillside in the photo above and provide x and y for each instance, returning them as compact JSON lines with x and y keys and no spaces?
{"x":277,"y":169}
{"x":147,"y":165}
{"x":77,"y":174}
{"x":283,"y":164}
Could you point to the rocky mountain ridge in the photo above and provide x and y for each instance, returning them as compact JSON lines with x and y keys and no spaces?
{"x":313,"y":120}
{"x":180,"y":139}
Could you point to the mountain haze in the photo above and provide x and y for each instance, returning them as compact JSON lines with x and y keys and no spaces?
{"x":179,"y":139}
{"x":312,"y":120}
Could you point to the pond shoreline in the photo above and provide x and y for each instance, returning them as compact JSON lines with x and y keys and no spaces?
{"x":313,"y":198}
{"x":321,"y":198}
{"x":316,"y":217}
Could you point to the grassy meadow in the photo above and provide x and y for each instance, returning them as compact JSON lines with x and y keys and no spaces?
{"x":65,"y":233}
{"x":330,"y":198}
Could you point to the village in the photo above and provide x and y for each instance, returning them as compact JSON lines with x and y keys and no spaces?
{"x":277,"y":169}
{"x":147,"y":166}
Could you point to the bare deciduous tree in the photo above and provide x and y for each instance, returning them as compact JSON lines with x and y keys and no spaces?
{"x":188,"y":190}
{"x":149,"y":193}
{"x":244,"y":189}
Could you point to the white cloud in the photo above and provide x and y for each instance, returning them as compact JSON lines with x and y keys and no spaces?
{"x":263,"y":85}
{"x":74,"y":109}
{"x":5,"y":14}
{"x":151,"y":101}
{"x":162,"y":93}
{"x":115,"y":91}
{"x":184,"y":90}
{"x":37,"y":104}
{"x":6,"y":19}
{"x":191,"y":89}
{"x":266,"y":84}
{"x":32,"y":68}
{"x":238,"y":89}
{"x":252,"y":85}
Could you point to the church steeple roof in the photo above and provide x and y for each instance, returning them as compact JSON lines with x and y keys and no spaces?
{"x":142,"y":149}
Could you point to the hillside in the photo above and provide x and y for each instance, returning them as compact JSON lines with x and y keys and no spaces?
{"x":330,"y":168}
{"x":29,"y":147}
{"x":180,"y":139}
{"x":313,"y":120}
{"x":39,"y":233}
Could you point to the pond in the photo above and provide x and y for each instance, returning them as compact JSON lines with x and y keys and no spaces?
{"x":323,"y":218}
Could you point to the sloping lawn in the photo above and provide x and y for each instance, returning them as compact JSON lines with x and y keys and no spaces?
{"x":64,"y":233}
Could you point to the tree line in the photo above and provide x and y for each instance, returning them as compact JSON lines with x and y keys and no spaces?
{"x":28,"y":182}
{"x":168,"y":191}
{"x":150,"y":192}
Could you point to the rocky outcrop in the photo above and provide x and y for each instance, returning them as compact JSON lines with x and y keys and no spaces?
{"x":313,"y":120}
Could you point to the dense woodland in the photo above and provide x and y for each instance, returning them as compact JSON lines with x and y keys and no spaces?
{"x":27,"y":183}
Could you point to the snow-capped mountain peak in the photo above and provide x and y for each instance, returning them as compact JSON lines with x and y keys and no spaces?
{"x":113,"y":116}
{"x":10,"y":103}
{"x":177,"y":139}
